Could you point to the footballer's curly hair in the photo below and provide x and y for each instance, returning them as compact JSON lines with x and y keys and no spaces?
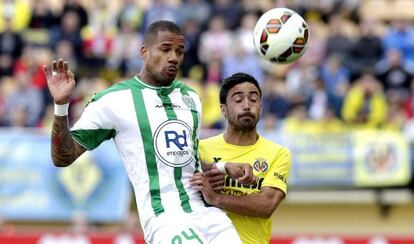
{"x":157,"y":26}
{"x":234,"y":80}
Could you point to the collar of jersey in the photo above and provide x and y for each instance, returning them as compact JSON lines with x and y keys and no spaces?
{"x":143,"y":84}
{"x":259,"y":140}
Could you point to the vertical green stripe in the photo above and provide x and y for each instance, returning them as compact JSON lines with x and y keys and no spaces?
{"x":167,"y":104}
{"x":146,"y":135}
{"x":185,"y":203}
{"x":184,"y":91}
{"x":195,"y":127}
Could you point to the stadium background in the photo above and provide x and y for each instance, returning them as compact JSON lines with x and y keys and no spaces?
{"x":345,"y":109}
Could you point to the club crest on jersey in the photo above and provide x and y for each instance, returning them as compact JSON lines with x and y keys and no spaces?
{"x":173,"y":143}
{"x":189,"y":101}
{"x":260,"y":165}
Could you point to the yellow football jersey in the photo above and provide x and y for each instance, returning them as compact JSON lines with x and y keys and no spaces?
{"x":271,"y":163}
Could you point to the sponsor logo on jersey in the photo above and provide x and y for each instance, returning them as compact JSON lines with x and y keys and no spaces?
{"x":173,"y":144}
{"x":260,"y":165}
{"x":234,"y":192}
{"x":168,"y":106}
{"x":280,"y":177}
{"x":189,"y":102}
{"x":230,"y":182}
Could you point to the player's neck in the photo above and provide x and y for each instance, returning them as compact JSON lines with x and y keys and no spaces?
{"x":240,"y":138}
{"x":149,"y":80}
{"x":144,"y":77}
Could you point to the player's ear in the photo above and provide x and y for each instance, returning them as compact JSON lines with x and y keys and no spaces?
{"x":144,"y":53}
{"x":223,"y":110}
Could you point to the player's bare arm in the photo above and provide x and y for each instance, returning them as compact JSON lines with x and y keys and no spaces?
{"x":214,"y":176}
{"x":243,"y":172}
{"x":65,"y":150}
{"x":61,"y":83}
{"x":261,"y":204}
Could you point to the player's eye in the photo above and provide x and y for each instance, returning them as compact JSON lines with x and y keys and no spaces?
{"x":253,"y":97}
{"x":165,"y":48}
{"x":180,"y":51}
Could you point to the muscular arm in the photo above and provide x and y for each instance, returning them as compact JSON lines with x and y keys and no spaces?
{"x":64,"y":149}
{"x":243,"y":172}
{"x":61,"y":83}
{"x":261,"y":204}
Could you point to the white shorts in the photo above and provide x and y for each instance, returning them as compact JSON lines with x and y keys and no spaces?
{"x":212,"y":226}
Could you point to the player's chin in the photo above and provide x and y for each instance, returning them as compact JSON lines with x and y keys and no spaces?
{"x":246,"y":126}
{"x":170,"y":74}
{"x":247,"y":122}
{"x":167,"y":80}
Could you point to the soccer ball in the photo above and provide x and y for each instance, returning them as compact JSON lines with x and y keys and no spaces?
{"x":281,"y":35}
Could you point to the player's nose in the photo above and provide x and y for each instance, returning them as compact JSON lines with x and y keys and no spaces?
{"x":172,"y":58}
{"x":246,"y":104}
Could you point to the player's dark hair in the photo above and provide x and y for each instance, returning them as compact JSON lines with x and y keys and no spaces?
{"x":157,"y":26}
{"x":234,"y":80}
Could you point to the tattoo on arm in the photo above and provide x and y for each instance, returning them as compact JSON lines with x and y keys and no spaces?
{"x":64,"y":149}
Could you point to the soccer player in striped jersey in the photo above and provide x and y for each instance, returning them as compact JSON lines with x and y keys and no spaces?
{"x":248,"y":206}
{"x":154,"y":121}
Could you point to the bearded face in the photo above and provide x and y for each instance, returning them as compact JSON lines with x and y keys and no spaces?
{"x":242,"y":108}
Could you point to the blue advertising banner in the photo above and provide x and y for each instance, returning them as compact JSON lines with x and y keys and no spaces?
{"x":352,"y":159}
{"x":31,"y":188}
{"x":321,"y":160}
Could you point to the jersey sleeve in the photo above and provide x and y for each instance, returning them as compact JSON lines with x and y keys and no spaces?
{"x":95,"y":125}
{"x":279,"y":170}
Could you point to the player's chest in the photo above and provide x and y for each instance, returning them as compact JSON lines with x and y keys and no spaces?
{"x":154,"y":109}
{"x":171,"y":105}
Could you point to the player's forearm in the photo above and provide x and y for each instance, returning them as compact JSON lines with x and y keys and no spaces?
{"x":206,"y":166}
{"x":64,"y":149}
{"x":254,"y":205}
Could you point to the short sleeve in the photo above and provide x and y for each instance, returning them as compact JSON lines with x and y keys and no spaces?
{"x":279,"y":170}
{"x":95,"y":125}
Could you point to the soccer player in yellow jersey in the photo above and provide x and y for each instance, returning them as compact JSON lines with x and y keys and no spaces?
{"x":248,"y":206}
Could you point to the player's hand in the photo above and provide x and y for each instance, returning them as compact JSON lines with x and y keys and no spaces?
{"x":60,"y":80}
{"x":215,"y":178}
{"x":200,"y":182}
{"x":242,"y":172}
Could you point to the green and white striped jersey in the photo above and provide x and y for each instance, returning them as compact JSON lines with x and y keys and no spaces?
{"x":156,"y":133}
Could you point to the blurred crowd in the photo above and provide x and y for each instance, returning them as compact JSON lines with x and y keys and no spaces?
{"x":357,"y":71}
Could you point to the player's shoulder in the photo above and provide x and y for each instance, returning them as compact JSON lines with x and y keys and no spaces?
{"x":276,"y":147}
{"x":190,"y":96}
{"x":185,"y":86}
{"x":212,"y":140}
{"x":120,"y":86}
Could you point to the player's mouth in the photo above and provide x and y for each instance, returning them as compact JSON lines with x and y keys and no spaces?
{"x":172,"y":70}
{"x":246,"y":115}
